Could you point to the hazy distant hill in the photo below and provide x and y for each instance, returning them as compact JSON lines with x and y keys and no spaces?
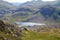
{"x":16,"y":3}
{"x":32,"y":10}
{"x":5,"y":7}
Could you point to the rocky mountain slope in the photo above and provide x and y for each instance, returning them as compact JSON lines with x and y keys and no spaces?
{"x":31,"y":10}
{"x":5,"y":8}
{"x":9,"y":31}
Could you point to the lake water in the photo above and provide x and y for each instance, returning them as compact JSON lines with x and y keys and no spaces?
{"x":29,"y":24}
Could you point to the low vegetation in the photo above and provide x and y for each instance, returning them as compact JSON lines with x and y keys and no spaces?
{"x":12,"y":32}
{"x":44,"y":34}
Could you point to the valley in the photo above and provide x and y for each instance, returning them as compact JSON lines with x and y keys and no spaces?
{"x":31,"y":20}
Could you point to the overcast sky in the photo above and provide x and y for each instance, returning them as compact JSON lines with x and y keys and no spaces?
{"x":23,"y":0}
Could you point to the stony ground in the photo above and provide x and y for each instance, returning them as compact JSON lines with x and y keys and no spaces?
{"x":12,"y":32}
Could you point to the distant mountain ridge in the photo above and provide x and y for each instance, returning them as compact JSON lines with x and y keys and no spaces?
{"x":5,"y":8}
{"x":31,"y":10}
{"x":16,"y":3}
{"x":45,"y":9}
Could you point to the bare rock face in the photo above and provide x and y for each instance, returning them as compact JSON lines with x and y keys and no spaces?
{"x":10,"y":30}
{"x":2,"y":25}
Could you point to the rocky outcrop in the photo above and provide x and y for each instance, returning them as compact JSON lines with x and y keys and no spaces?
{"x":9,"y":29}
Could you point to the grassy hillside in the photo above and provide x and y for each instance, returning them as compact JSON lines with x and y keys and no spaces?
{"x":12,"y":32}
{"x":44,"y":34}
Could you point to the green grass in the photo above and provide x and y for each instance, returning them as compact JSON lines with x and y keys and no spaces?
{"x":12,"y":20}
{"x":9,"y":36}
{"x":42,"y":34}
{"x":53,"y":34}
